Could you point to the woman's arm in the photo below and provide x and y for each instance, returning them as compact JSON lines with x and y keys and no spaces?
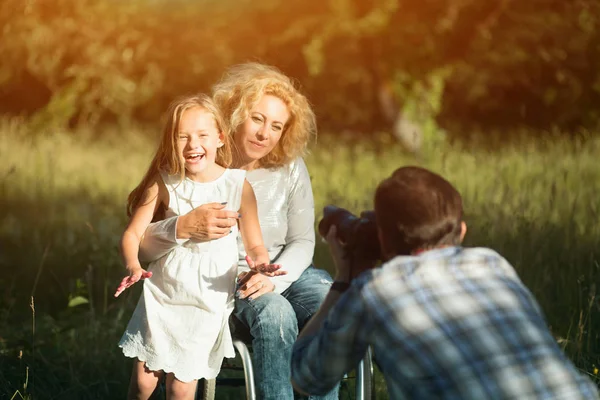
{"x":153,"y":196}
{"x":159,"y":238}
{"x":204,"y":223}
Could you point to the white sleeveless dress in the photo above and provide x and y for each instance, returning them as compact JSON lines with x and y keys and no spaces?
{"x":180,"y":324}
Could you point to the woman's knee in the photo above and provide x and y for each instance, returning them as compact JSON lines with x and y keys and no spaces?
{"x":315,"y":276}
{"x":312,"y":287}
{"x":270,"y":312}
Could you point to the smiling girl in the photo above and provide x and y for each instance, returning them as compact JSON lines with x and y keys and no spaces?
{"x":180,"y":325}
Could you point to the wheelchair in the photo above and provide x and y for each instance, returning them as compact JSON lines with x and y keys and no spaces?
{"x":364,"y":385}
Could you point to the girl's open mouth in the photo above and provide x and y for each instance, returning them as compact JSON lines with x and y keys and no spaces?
{"x":194,"y":157}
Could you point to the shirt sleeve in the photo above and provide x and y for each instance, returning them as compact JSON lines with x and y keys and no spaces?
{"x":320,"y":361}
{"x":298,"y":252}
{"x":159,"y":239}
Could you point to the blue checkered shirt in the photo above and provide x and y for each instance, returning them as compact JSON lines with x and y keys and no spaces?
{"x":451,"y":323}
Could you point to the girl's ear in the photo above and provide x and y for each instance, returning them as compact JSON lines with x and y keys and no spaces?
{"x":221,"y":142}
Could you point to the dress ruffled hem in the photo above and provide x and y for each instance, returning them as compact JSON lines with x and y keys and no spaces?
{"x":187,"y":375}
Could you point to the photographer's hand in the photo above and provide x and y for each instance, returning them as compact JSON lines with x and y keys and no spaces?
{"x":348,"y":266}
{"x":341,"y":260}
{"x":342,"y":267}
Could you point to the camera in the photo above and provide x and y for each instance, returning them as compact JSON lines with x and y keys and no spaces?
{"x":359,"y":234}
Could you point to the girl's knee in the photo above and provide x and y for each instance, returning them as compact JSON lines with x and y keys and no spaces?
{"x":178,"y":390}
{"x":143,"y":382}
{"x":146,"y":384}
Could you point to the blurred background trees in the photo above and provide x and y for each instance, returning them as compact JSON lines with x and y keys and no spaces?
{"x":451,"y":66}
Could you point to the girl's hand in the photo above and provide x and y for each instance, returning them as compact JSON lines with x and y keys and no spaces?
{"x":265,"y":268}
{"x":135,"y":274}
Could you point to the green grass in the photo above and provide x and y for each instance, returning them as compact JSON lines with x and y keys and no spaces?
{"x":62,"y":197}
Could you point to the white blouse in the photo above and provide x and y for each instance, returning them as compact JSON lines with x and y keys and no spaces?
{"x":286,"y":215}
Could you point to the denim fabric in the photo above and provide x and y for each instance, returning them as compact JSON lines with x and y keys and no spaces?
{"x":274,"y":321}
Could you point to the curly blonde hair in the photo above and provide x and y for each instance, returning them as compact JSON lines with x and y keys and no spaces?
{"x":167,"y":156}
{"x":242,"y":87}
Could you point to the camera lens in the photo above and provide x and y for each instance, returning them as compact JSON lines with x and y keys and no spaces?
{"x":358,"y":234}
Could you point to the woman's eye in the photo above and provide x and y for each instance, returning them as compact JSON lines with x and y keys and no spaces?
{"x":256,"y":119}
{"x":276,"y":128}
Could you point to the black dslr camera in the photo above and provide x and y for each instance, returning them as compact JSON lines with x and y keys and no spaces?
{"x":359,"y":234}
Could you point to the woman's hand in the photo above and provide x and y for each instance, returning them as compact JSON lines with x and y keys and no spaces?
{"x":135,"y":274}
{"x":255,"y":283}
{"x":207,"y":222}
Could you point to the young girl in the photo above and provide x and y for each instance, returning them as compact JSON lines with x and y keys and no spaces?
{"x":180,"y":325}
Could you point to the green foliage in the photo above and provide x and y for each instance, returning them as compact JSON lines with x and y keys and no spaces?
{"x":502,"y":63}
{"x":422,"y":103}
{"x":92,"y":60}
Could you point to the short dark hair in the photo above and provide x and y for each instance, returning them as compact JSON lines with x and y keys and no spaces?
{"x":418,"y":209}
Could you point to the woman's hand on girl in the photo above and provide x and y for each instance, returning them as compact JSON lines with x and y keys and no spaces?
{"x":207,"y":222}
{"x":135,"y":274}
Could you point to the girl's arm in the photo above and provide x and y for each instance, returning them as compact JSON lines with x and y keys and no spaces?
{"x":252,"y":236}
{"x":298,"y":252}
{"x":153,"y":196}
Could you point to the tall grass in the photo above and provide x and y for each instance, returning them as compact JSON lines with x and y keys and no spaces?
{"x":62,"y":202}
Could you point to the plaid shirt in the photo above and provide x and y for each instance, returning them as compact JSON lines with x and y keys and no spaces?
{"x":451,"y":323}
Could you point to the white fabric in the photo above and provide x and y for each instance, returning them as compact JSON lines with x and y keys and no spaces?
{"x":180,"y":322}
{"x":286,"y":212}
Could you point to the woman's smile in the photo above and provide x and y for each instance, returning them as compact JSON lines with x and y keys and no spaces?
{"x":258,"y":144}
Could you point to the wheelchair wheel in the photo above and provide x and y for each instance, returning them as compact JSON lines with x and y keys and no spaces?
{"x":369,"y":381}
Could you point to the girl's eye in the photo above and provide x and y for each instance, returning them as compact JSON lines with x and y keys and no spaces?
{"x":277,"y":128}
{"x":256,"y":119}
{"x":181,"y":137}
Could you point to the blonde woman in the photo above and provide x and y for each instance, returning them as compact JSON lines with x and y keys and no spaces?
{"x":271,"y":123}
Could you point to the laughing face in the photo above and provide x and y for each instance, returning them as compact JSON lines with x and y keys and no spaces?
{"x":261,"y":131}
{"x":198,"y":141}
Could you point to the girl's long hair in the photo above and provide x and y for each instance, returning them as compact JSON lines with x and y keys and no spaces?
{"x":167,"y":157}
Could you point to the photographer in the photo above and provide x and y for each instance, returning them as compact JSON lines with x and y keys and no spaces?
{"x":443,"y":321}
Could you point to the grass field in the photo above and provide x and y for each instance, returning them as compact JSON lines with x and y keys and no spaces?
{"x":62,"y":202}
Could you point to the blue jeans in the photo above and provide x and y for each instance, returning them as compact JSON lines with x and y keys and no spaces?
{"x":274,"y":321}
